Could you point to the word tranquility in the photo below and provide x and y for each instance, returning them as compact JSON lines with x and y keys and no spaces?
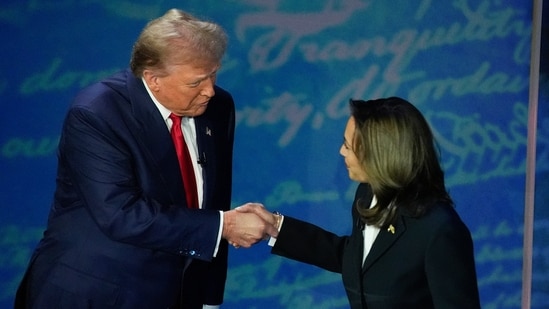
{"x":289,"y":33}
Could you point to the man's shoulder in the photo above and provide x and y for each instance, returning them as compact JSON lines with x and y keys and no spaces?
{"x":102,"y":94}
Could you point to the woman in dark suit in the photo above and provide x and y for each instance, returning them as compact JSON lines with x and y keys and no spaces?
{"x":408,"y":247}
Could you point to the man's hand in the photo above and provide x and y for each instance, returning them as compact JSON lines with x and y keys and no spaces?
{"x":243,"y":229}
{"x":259,"y":210}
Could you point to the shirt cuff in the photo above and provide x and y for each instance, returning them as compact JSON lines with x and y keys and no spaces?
{"x":218,"y":240}
{"x":272,"y":240}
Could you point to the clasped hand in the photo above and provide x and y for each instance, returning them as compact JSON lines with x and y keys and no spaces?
{"x":248,"y":224}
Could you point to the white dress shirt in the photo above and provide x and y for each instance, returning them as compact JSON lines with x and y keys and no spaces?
{"x":369,"y":234}
{"x":189,"y":133}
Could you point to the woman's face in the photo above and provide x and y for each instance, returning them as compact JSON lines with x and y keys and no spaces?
{"x":356,"y":171}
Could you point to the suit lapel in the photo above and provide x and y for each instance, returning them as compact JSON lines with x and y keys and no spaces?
{"x":156,"y":141}
{"x":384,"y":240}
{"x":206,"y":153}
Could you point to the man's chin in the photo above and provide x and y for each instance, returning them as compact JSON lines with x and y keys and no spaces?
{"x":200,"y":110}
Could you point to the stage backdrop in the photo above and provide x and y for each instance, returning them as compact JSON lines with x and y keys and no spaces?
{"x":292,"y":66}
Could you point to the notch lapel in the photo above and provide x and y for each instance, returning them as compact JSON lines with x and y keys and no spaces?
{"x":206,"y":152}
{"x":384,"y":240}
{"x":156,"y":142}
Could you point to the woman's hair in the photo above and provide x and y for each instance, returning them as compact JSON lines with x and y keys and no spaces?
{"x":175,"y":38}
{"x":396,"y":148}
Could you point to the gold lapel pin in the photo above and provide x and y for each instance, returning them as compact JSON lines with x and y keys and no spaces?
{"x":391,"y":229}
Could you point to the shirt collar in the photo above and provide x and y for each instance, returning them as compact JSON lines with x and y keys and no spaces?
{"x":163,"y":110}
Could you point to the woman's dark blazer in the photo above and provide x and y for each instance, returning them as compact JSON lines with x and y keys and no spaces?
{"x":426,"y":263}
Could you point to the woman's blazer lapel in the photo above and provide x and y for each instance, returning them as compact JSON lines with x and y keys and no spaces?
{"x":385,"y":239}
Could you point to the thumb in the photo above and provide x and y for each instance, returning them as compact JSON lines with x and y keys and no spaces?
{"x":244,"y":208}
{"x":271,"y":230}
{"x":249,"y":207}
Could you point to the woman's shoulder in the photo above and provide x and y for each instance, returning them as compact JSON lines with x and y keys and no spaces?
{"x":440,"y":213}
{"x":444,"y":216}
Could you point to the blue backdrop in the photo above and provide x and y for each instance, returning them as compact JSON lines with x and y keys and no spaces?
{"x":292,"y":66}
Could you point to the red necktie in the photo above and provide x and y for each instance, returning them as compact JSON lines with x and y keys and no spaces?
{"x":185,"y":162}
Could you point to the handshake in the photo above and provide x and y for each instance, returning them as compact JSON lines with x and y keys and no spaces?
{"x":249,"y":224}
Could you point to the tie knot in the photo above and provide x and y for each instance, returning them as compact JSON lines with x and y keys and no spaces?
{"x":176,"y":119}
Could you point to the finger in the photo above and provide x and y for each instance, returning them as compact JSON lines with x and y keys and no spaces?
{"x":245,"y":208}
{"x":271,"y":231}
{"x":248,"y":207}
{"x":266,"y":215}
{"x":246,"y":243}
{"x":255,"y":205}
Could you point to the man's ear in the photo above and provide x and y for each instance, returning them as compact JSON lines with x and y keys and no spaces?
{"x":152,"y":80}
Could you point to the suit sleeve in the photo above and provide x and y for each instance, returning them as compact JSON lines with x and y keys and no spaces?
{"x":308,"y":243}
{"x":450,"y":267}
{"x":104,"y":170}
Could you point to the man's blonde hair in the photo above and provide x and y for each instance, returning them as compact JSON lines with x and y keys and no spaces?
{"x":177,"y":37}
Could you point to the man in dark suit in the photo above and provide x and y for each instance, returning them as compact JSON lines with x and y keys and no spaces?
{"x":121,"y":232}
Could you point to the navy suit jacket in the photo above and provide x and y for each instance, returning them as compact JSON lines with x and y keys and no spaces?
{"x":119,"y":232}
{"x":426,"y":263}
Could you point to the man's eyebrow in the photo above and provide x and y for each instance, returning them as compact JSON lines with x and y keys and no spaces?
{"x":201,"y":78}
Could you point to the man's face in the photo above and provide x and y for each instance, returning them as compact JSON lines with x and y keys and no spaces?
{"x":187,"y":88}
